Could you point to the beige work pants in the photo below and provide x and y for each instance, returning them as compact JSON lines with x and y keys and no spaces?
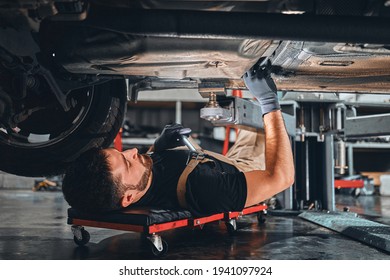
{"x":248,"y":151}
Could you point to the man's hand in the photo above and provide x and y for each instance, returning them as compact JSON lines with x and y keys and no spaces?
{"x":171,"y":137}
{"x":259,"y":82}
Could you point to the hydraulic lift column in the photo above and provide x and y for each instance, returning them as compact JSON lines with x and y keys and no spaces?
{"x":313,"y":149}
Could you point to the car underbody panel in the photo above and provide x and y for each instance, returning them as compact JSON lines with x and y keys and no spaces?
{"x":94,"y":51}
{"x":337,"y":46}
{"x":336,"y":67}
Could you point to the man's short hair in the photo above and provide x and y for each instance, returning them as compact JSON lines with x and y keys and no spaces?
{"x":89,"y":185}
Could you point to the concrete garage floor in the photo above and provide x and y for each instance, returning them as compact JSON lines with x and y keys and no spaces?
{"x":33,"y":227}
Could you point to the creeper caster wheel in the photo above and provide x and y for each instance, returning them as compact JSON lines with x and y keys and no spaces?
{"x":261,"y":217}
{"x":158,"y":246}
{"x":81,"y":236}
{"x":231,"y":226}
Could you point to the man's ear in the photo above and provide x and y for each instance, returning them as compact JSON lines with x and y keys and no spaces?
{"x":127,"y":198}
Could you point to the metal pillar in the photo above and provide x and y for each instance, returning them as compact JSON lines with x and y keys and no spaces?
{"x":314,"y":186}
{"x":328,"y":191}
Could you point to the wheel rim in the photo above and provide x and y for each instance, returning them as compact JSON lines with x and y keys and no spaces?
{"x":57,"y":124}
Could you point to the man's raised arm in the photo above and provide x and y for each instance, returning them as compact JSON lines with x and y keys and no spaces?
{"x":279,"y":171}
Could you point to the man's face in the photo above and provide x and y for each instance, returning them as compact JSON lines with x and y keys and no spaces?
{"x":129,"y":166}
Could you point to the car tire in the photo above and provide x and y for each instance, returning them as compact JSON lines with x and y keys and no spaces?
{"x":103,"y":114}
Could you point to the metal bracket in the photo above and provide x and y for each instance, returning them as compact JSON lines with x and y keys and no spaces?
{"x":239,"y":112}
{"x":77,"y":232}
{"x":156,"y":241}
{"x":233,"y":223}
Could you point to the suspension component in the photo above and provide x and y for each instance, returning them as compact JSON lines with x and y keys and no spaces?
{"x":213,"y":111}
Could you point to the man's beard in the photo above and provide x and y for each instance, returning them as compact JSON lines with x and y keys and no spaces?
{"x":147,"y":162}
